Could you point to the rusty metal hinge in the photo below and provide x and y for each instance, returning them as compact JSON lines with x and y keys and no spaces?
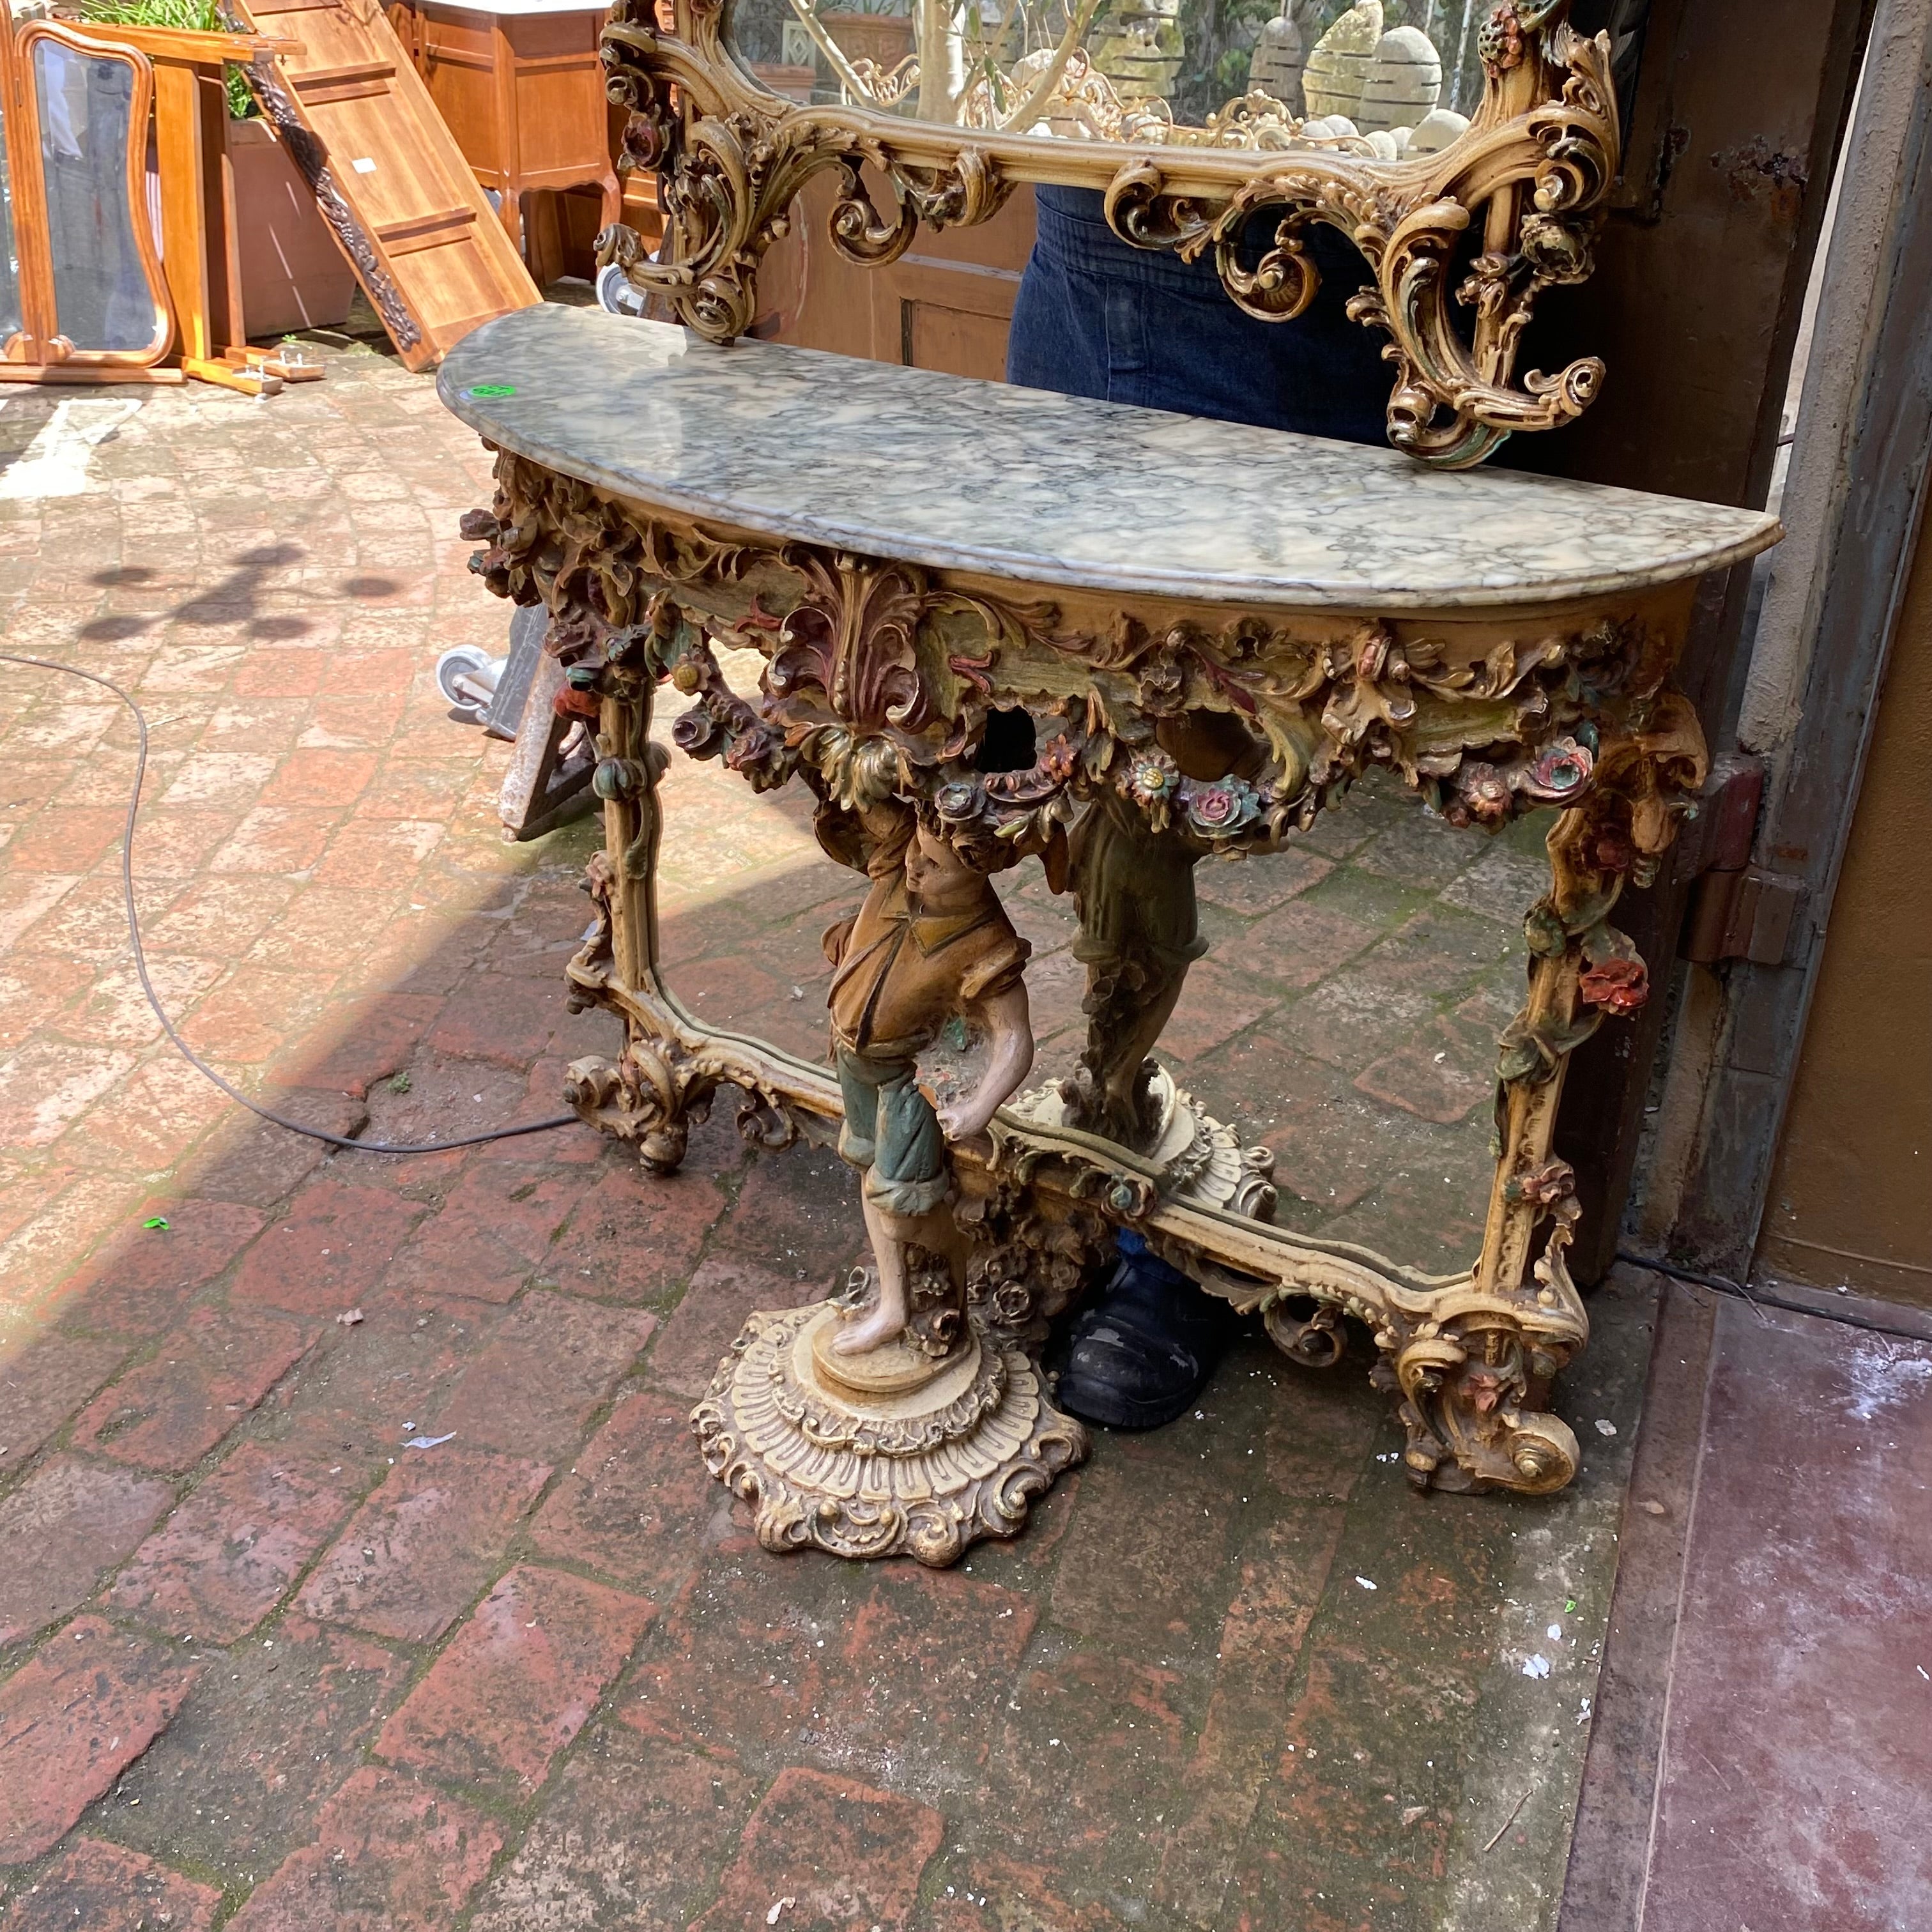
{"x":1738,"y":910}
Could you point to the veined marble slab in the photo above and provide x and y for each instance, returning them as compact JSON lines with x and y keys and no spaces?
{"x":953,"y":473}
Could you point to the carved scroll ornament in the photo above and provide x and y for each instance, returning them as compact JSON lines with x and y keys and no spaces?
{"x":1458,"y":245}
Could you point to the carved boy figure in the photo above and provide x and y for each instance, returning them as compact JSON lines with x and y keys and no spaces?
{"x":931,"y":941}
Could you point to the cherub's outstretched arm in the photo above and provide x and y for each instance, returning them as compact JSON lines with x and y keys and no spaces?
{"x":1009,"y":1021}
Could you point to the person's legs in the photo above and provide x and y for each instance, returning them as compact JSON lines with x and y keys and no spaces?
{"x":1098,"y":317}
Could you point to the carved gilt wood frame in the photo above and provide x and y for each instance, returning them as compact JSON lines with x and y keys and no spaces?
{"x":880,"y":679}
{"x":1459,"y":244}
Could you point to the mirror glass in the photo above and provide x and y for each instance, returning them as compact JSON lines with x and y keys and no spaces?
{"x":9,"y":261}
{"x":103,"y":301}
{"x":1380,"y":78}
{"x":1344,"y":1013}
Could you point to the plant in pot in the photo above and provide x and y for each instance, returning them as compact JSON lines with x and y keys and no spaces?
{"x":289,"y":272}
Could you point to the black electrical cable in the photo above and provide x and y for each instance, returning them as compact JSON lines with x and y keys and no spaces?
{"x":181,"y":1045}
{"x":1765,"y":1297}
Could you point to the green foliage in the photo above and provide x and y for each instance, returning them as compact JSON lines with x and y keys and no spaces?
{"x":193,"y":16}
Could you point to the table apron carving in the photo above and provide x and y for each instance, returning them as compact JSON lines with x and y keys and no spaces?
{"x":1163,"y":731}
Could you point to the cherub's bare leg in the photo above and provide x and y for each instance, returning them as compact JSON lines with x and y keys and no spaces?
{"x":889,"y":1235}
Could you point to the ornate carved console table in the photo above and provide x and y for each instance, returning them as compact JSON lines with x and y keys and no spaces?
{"x":995,"y":623}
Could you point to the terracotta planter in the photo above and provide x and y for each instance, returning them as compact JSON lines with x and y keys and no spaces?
{"x":789,"y":83}
{"x":293,"y":276}
{"x":886,"y":38}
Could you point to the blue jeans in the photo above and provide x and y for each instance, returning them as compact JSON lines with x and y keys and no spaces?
{"x":1097,"y":317}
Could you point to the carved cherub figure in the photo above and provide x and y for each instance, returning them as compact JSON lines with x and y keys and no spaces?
{"x":931,"y":941}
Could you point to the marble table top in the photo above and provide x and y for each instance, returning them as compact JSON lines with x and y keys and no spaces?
{"x":953,"y":473}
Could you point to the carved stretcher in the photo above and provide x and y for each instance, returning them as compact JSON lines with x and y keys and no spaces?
{"x":1212,"y":630}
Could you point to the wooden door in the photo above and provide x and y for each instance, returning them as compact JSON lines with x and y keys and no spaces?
{"x":947,"y":304}
{"x":425,"y":244}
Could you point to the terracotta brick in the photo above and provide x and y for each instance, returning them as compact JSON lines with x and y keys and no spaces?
{"x":32,"y":986}
{"x":162,"y":1110}
{"x":414,"y":787}
{"x":1253,"y":886}
{"x":374,"y":1040}
{"x":706,"y":1320}
{"x":236,"y":1782}
{"x":234,"y":1548}
{"x":730,"y":992}
{"x":1296,"y":946}
{"x":320,"y":778}
{"x":179,"y":842}
{"x":45,"y":1381}
{"x":139,"y":1285}
{"x":323,"y":925}
{"x":366,"y":849}
{"x":391,"y":1854}
{"x":517,"y":1681}
{"x":81,"y":1709}
{"x":1321,"y":1427}
{"x":638,"y":1503}
{"x":1440,"y":950}
{"x":847,"y":1855}
{"x":68,"y":1522}
{"x":252,"y":1016}
{"x":1436,"y":1077}
{"x":24,"y":897}
{"x":382,"y":1379}
{"x":626,"y":1841}
{"x":633,"y":1236}
{"x":424,"y":1544}
{"x":1086,"y":1742}
{"x":220,"y":777}
{"x":923,"y":1658}
{"x":737,"y":1667}
{"x":378,"y":673}
{"x":1346,"y":1022}
{"x":47,"y":1084}
{"x":486,"y":1237}
{"x":277,"y":839}
{"x":359,"y":720}
{"x":548,"y":1364}
{"x":1143,"y":1566}
{"x":259,"y":1161}
{"x":208,"y":1374}
{"x":1214,"y":1006}
{"x":1285,"y":1569}
{"x":74,"y":839}
{"x":113,"y":1011}
{"x":290,"y":671}
{"x":107,"y":1888}
{"x":498,"y":1017}
{"x":336,"y":1242}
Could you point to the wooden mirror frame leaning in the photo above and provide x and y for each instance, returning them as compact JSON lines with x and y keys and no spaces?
{"x":1514,"y":204}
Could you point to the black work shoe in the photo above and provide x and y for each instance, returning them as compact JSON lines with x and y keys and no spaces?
{"x":1140,"y":1351}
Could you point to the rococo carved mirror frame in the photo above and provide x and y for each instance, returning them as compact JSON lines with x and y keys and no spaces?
{"x":1459,"y":244}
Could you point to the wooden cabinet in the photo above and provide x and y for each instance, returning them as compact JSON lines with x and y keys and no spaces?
{"x":946,"y":303}
{"x":520,"y":87}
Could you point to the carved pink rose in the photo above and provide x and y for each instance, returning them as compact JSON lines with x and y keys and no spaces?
{"x":1619,"y":985}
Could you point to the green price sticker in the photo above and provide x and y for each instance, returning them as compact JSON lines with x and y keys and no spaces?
{"x":488,"y":392}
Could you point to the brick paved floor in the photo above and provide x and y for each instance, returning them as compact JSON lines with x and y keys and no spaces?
{"x":264,"y":1662}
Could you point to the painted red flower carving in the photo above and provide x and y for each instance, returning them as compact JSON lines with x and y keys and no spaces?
{"x":1618,"y":986}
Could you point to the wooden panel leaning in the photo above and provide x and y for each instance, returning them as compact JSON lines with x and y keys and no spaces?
{"x":425,"y":244}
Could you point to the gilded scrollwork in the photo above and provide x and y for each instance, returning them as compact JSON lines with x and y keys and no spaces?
{"x":1531,"y":177}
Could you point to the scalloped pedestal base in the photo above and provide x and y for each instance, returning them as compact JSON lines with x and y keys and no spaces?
{"x":924,"y":1474}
